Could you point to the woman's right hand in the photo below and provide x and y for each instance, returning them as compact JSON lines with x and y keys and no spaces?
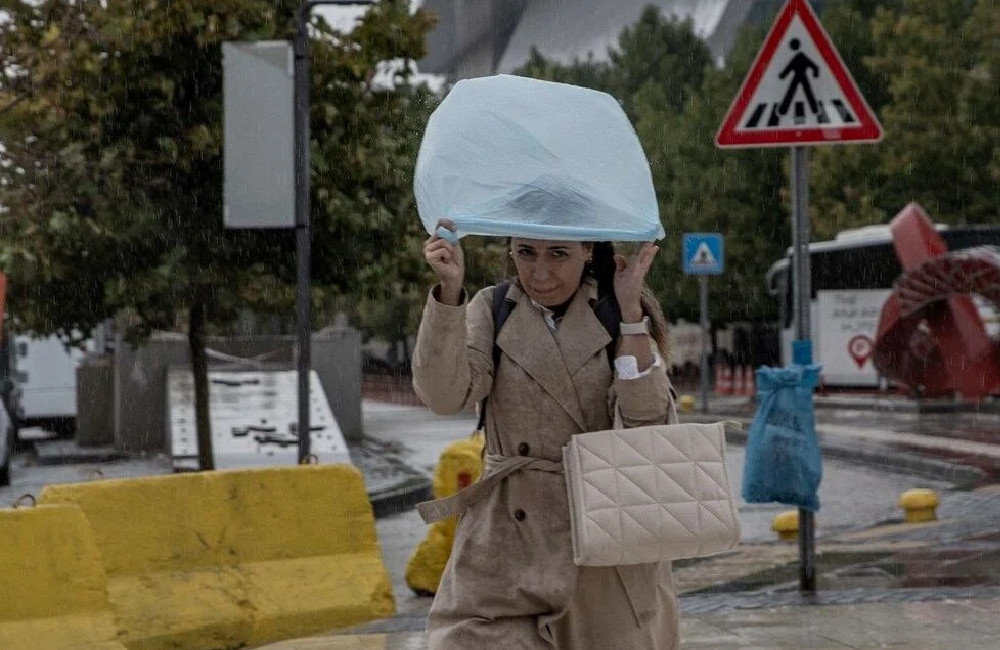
{"x":448,"y":263}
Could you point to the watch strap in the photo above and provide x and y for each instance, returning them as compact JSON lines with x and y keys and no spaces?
{"x":642,"y":327}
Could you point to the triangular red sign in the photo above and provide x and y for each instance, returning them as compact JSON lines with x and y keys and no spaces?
{"x":798,"y":91}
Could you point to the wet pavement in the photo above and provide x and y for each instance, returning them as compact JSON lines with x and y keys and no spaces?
{"x":882,"y":583}
{"x":954,"y":624}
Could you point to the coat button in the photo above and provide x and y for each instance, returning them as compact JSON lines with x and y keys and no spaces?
{"x":519,"y":514}
{"x":523,"y":449}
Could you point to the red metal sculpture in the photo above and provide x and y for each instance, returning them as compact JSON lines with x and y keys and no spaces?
{"x":930,"y":336}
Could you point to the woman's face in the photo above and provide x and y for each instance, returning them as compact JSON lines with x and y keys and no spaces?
{"x":549,"y":271}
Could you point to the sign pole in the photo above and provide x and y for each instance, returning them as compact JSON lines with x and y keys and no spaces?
{"x":703,"y":282}
{"x":303,"y":231}
{"x":803,"y":292}
{"x":798,"y":92}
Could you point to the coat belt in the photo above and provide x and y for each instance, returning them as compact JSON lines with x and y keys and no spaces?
{"x":497,"y":468}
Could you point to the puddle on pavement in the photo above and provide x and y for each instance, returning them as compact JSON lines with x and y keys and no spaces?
{"x":973,"y":562}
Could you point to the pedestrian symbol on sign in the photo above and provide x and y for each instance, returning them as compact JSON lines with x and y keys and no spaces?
{"x":799,"y":68}
{"x":703,"y":256}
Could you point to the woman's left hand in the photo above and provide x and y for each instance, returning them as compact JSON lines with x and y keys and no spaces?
{"x":630,"y":277}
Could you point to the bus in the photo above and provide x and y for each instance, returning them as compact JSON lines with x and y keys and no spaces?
{"x":852,"y":276}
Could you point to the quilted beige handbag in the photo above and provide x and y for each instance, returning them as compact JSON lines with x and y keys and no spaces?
{"x":649,"y":494}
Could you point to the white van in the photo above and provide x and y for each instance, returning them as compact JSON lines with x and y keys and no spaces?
{"x":46,"y":374}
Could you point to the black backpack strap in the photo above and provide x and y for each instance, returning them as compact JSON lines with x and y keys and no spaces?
{"x":501,"y":310}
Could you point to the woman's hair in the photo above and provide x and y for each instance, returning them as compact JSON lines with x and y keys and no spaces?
{"x":602,"y":269}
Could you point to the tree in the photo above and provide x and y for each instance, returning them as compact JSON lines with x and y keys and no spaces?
{"x":703,"y":189}
{"x":112,"y":176}
{"x":936,"y":71}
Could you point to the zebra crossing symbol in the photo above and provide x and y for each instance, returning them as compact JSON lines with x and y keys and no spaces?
{"x":798,"y":91}
{"x":703,"y":256}
{"x":702,"y":253}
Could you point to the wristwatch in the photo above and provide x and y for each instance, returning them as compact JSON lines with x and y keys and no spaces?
{"x":642,"y":327}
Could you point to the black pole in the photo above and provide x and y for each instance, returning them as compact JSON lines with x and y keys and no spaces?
{"x":802,"y":279}
{"x":705,"y":347}
{"x":303,"y":232}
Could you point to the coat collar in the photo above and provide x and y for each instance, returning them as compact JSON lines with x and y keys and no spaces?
{"x":551,"y":359}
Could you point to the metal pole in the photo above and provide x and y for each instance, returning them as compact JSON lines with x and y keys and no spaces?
{"x":803,"y":294}
{"x":703,"y":282}
{"x":303,"y":231}
{"x":303,"y":248}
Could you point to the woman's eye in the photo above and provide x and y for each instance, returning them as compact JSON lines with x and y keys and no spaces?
{"x":559,"y":254}
{"x":525,"y":253}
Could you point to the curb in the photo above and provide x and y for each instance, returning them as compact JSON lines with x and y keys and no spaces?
{"x":961,"y":476}
{"x":406,"y":496}
{"x":68,"y":452}
{"x":393,"y":485}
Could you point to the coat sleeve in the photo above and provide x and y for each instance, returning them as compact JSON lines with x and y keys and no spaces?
{"x":645,"y":401}
{"x":453,"y":357}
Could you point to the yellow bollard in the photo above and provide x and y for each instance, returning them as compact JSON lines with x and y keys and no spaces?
{"x":686,"y":403}
{"x":460,"y":465}
{"x":919,"y":504}
{"x":786,"y":525}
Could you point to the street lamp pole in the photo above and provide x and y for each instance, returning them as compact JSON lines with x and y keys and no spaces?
{"x":303,"y":231}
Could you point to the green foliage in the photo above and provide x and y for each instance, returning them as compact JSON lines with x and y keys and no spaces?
{"x":112,"y":178}
{"x":929,"y":68}
{"x":662,"y":74}
{"x":111,"y":114}
{"x":937,"y":62}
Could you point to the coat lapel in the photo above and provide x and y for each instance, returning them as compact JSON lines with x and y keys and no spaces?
{"x":581,"y":334}
{"x":527,"y":340}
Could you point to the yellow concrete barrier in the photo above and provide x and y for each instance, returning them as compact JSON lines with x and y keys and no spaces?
{"x":227,"y":559}
{"x":53,"y":590}
{"x":460,"y":465}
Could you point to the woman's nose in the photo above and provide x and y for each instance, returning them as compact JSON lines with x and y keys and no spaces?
{"x":541,"y":271}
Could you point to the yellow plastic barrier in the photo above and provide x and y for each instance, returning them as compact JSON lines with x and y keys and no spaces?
{"x":226,"y":559}
{"x":460,"y":464}
{"x":53,"y":590}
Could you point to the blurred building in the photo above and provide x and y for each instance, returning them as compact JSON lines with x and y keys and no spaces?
{"x":481,"y":37}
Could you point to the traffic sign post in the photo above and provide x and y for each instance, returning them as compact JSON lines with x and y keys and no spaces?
{"x":702,"y":255}
{"x":798,"y":92}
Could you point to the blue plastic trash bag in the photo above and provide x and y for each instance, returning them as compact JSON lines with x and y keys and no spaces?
{"x":783,"y":462}
{"x":513,"y":156}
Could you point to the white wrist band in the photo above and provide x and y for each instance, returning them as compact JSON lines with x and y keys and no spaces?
{"x":642,"y":327}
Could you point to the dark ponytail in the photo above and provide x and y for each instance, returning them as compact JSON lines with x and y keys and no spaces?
{"x":602,"y":269}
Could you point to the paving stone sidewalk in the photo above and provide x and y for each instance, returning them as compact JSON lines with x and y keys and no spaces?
{"x":957,"y":624}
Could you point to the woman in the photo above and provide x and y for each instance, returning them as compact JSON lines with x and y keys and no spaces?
{"x":511,"y":581}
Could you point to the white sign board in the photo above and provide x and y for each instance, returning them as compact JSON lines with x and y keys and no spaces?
{"x":846,"y":324}
{"x":258,"y":135}
{"x":254,"y":416}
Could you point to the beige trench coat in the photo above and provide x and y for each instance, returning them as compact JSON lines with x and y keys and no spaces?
{"x":511,"y":581}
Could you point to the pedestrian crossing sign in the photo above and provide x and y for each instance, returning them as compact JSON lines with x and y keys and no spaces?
{"x":702,"y":253}
{"x":798,"y":91}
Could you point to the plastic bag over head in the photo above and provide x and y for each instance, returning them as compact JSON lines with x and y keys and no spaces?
{"x":518,"y":157}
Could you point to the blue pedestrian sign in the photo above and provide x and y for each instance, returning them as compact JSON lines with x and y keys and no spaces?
{"x":703,"y":254}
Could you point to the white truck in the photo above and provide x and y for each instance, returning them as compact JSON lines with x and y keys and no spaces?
{"x":45,"y":372}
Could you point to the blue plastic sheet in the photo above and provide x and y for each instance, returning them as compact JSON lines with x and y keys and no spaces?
{"x":518,"y":157}
{"x":783,"y":462}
